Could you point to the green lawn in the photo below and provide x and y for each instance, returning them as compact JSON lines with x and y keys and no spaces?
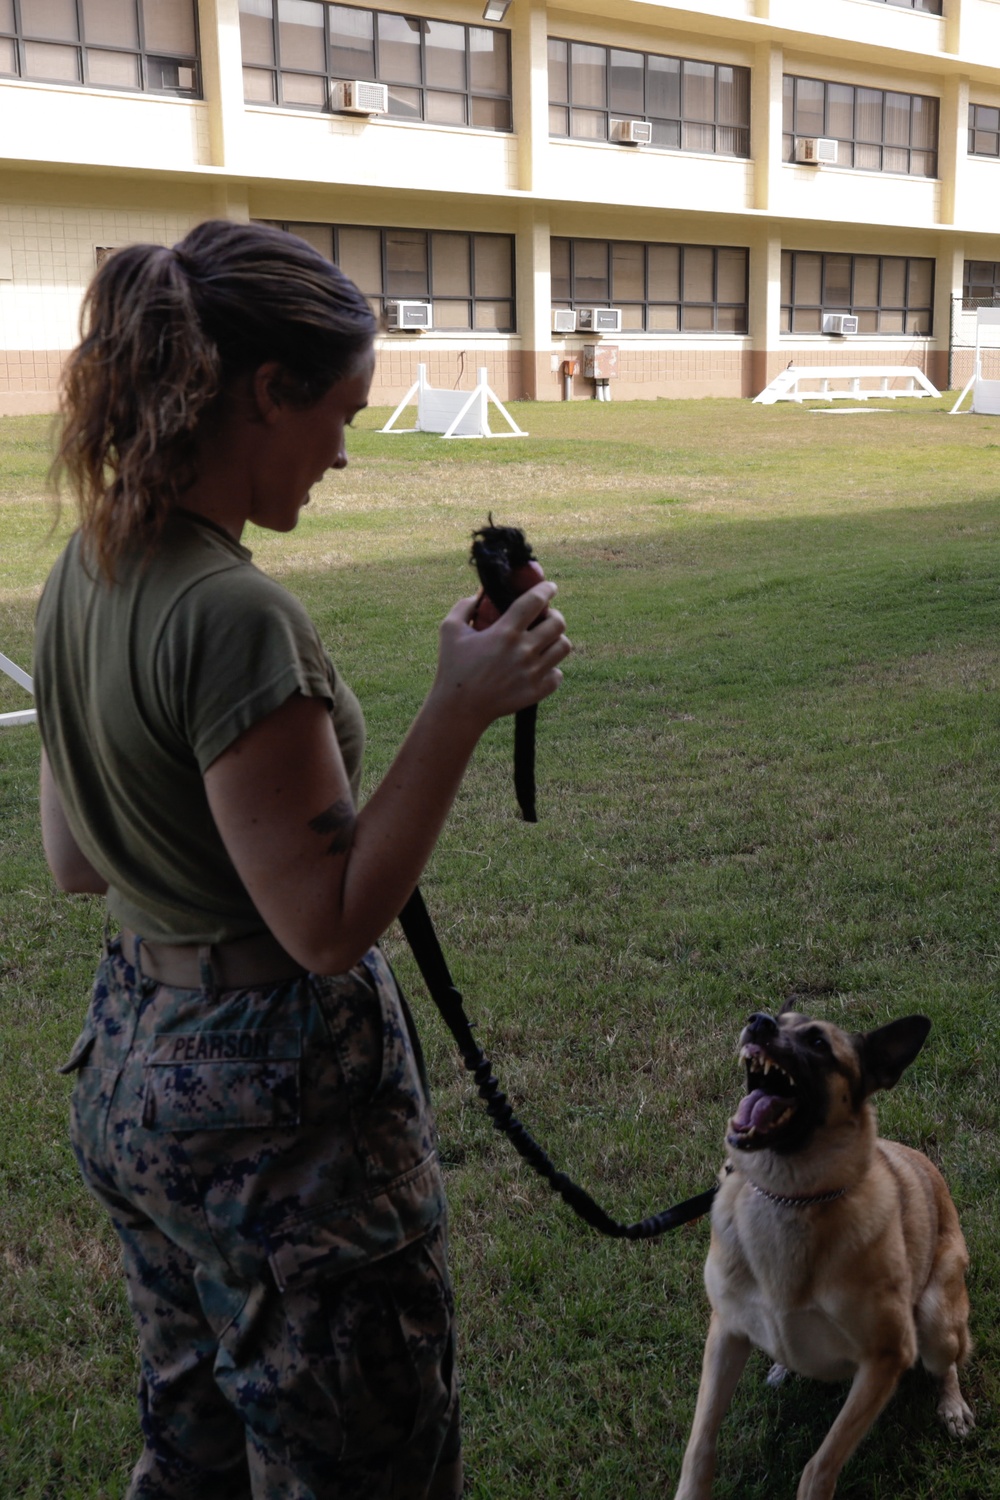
{"x":771,"y":770}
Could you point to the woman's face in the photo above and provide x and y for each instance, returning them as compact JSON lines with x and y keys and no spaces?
{"x":302,"y":444}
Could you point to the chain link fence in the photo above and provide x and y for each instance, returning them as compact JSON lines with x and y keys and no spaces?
{"x":962,"y":344}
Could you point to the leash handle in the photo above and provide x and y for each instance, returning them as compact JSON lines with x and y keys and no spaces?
{"x":419,"y":931}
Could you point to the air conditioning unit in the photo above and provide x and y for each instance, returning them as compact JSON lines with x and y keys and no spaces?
{"x":818,"y":151}
{"x":356,"y":97}
{"x":839,"y":323}
{"x":563,"y":320}
{"x":632,"y":132}
{"x":600,"y":319}
{"x":408,"y":317}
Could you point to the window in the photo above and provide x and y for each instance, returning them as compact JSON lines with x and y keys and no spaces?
{"x":932,"y":7}
{"x":659,"y":288}
{"x":984,"y":130}
{"x":437,"y":71}
{"x":886,"y":293}
{"x":981,"y":283}
{"x":147,"y":45}
{"x":468,"y":277}
{"x":692,"y":106}
{"x":876,"y":130}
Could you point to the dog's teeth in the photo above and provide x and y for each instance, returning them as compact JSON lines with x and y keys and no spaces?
{"x":768,"y":1065}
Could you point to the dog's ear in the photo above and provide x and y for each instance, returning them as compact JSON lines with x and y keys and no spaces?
{"x":886,"y":1053}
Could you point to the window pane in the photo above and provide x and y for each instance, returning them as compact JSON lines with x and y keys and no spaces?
{"x":444,"y":55}
{"x":628,"y":273}
{"x":837,"y":281}
{"x":731,"y":320}
{"x":663,"y":87}
{"x":788,"y":104}
{"x":559,"y":263}
{"x":406,"y":263}
{"x":867,"y":322}
{"x":697,"y":319}
{"x":498,"y":316}
{"x":866,"y":281}
{"x":7,"y":16}
{"x":786,"y":276}
{"x":919,"y":283}
{"x":586,"y":125}
{"x":698,"y":275}
{"x":667,"y":133}
{"x":697,"y":137}
{"x":808,"y":280}
{"x":732,"y":142}
{"x":890,"y":322}
{"x":895,"y":160}
{"x":8,"y":59}
{"x":809,"y":96}
{"x":398,"y":49}
{"x":897,"y":119}
{"x":320,"y":236}
{"x":626,"y":83}
{"x":893,"y":281}
{"x":734,"y":96}
{"x":300,"y":35}
{"x":49,"y":18}
{"x":868,"y":158}
{"x":493,"y":256}
{"x":304,"y":89}
{"x":116,"y":70}
{"x":558,"y":120}
{"x":840,"y":111}
{"x":588,"y":70}
{"x":663,"y":319}
{"x":806,"y":320}
{"x":451,"y":314}
{"x":256,"y":31}
{"x":698,"y":91}
{"x":450,"y":272}
{"x":58,"y":64}
{"x":986,"y":118}
{"x":918,"y":322}
{"x":491,"y":114}
{"x":168,"y":26}
{"x":558,"y":71}
{"x":352,"y":42}
{"x":404,"y":103}
{"x":359,"y":255}
{"x":590,"y":271}
{"x":444,"y":109}
{"x":732,"y":275}
{"x":489,"y":60}
{"x":663,"y":263}
{"x":924,"y":122}
{"x":868,"y":115}
{"x":110,"y":21}
{"x":632,"y":318}
{"x":258,"y":87}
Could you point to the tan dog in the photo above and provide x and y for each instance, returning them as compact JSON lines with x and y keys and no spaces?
{"x":838,"y":1253}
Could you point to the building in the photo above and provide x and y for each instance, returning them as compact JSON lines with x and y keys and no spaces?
{"x":734,"y":177}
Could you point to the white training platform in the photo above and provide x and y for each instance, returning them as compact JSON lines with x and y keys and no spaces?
{"x":985,"y":393}
{"x":843,"y":383}
{"x":21,"y":715}
{"x":454,"y":414}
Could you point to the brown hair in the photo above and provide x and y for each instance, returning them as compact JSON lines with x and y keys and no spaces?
{"x":163,"y":333}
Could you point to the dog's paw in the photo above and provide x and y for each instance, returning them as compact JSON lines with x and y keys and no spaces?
{"x":956,"y":1416}
{"x":777,"y":1375}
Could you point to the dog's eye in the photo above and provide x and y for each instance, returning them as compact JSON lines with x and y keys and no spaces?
{"x":818,"y":1041}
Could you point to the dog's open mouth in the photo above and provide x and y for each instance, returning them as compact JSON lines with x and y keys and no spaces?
{"x":770,"y":1105}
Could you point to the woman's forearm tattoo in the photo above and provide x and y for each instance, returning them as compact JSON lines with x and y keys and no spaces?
{"x":338,"y":821}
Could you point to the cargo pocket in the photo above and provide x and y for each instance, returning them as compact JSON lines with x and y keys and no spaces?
{"x":90,"y":1102}
{"x":222,"y":1080}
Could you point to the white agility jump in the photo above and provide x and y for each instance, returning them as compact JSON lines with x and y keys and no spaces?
{"x":454,"y":414}
{"x":843,"y":383}
{"x":985,"y":393}
{"x":21,"y":715}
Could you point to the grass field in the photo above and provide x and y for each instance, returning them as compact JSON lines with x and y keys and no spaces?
{"x":772,"y":770}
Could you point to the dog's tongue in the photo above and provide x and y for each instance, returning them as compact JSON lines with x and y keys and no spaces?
{"x":759,"y":1110}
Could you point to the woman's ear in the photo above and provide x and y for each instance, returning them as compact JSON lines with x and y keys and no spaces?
{"x":268,"y":389}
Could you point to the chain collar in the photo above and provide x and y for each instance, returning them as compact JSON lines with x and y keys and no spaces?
{"x":806,"y":1202}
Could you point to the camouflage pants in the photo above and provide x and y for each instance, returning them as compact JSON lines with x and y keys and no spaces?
{"x":267,"y":1158}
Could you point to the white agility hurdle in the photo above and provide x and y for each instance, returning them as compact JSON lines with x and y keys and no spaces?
{"x":21,"y":715}
{"x":454,"y":414}
{"x":985,"y":393}
{"x":788,"y":386}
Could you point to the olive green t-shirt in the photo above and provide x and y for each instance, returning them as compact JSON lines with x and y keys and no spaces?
{"x":140,"y":686}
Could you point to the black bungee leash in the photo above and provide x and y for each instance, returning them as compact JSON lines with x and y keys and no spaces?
{"x":502,"y":556}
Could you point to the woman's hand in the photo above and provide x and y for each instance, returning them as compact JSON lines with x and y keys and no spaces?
{"x":484,"y":674}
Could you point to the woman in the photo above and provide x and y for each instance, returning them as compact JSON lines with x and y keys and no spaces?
{"x":248,"y":1098}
